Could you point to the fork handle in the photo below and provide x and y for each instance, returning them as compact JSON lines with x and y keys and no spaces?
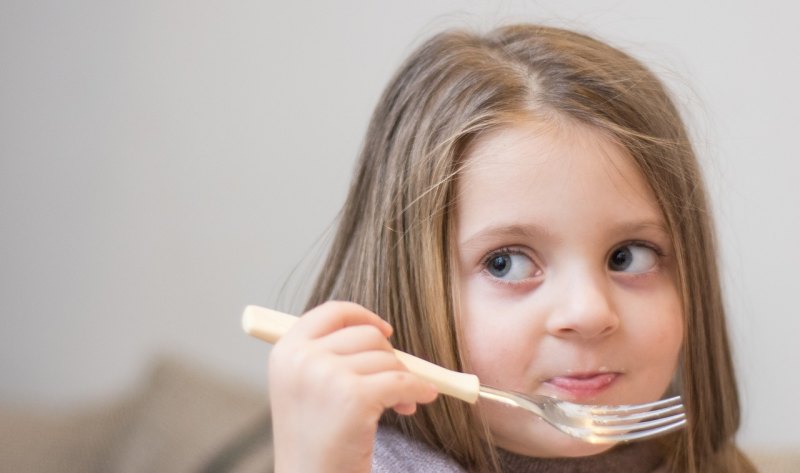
{"x":270,"y":325}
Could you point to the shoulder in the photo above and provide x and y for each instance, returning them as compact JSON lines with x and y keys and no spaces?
{"x":395,"y":452}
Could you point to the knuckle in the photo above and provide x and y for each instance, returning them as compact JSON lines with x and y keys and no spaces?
{"x":328,"y":305}
{"x":349,"y":306}
{"x":338,"y":306}
{"x":325,"y":310}
{"x":373,"y":333}
{"x":397,"y":363}
{"x":394,"y":363}
{"x":404,"y":378}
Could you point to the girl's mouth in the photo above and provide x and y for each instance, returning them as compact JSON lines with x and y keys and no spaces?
{"x":583,"y":386}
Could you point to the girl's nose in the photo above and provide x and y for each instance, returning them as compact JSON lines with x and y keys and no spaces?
{"x":584,"y":310}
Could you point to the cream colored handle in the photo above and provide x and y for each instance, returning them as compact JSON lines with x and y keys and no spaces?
{"x":270,"y":325}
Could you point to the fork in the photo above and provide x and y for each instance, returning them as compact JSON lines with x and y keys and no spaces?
{"x":590,"y":423}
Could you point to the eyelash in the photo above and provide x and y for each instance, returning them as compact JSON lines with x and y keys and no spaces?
{"x":660,"y":257}
{"x":656,"y":249}
{"x":507,"y":250}
{"x":500,"y":252}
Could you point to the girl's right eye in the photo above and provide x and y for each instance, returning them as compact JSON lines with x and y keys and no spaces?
{"x":510,"y":266}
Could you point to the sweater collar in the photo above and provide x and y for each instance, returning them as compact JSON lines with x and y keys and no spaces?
{"x":628,"y":458}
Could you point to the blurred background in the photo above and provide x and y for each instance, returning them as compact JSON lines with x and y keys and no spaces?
{"x":165,"y":163}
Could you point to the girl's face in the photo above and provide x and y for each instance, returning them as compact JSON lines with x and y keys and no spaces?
{"x":567,"y":278}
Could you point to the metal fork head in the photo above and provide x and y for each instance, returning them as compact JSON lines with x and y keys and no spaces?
{"x":614,"y":424}
{"x":599,"y":424}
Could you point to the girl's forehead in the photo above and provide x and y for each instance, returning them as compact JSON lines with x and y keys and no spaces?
{"x":535,"y":171}
{"x":552,"y":149}
{"x":539,"y":140}
{"x":544,"y":151}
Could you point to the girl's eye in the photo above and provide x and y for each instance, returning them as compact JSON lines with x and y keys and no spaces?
{"x":633,"y":258}
{"x":510,"y":266}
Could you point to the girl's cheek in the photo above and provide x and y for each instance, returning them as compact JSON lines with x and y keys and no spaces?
{"x":503,"y":292}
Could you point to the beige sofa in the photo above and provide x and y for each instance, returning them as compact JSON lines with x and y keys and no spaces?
{"x":182,"y":419}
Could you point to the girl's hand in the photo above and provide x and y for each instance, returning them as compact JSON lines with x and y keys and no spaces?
{"x":330,"y":379}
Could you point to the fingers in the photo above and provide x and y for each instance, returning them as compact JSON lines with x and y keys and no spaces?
{"x":331,"y":377}
{"x":355,"y":339}
{"x":371,"y":362}
{"x":343,"y":347}
{"x":335,"y":315}
{"x":405,"y":409}
{"x":400,"y":390}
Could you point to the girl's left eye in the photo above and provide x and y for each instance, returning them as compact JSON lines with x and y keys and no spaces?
{"x":510,"y":266}
{"x":633,"y":258}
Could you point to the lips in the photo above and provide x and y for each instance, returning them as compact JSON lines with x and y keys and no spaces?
{"x":584,"y":385}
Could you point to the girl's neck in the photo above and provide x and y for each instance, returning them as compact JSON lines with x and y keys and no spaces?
{"x":629,"y":458}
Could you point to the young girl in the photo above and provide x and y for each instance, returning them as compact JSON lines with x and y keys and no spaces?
{"x":527,"y":207}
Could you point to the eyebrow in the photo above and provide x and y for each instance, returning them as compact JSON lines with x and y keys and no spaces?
{"x":508,"y":231}
{"x":635,"y":226}
{"x":490,"y":233}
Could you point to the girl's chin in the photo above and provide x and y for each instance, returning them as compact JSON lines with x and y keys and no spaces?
{"x":578,"y":448}
{"x":545,"y":441}
{"x":556,"y":449}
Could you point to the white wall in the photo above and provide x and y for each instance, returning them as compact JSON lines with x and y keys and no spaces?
{"x":164,"y":163}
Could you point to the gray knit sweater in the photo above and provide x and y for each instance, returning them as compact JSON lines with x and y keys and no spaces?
{"x":397,"y":453}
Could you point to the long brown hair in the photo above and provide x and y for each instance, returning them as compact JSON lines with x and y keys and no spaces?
{"x":393,"y":252}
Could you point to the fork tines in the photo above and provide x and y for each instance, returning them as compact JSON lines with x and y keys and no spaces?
{"x":611,"y":415}
{"x":626,"y":423}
